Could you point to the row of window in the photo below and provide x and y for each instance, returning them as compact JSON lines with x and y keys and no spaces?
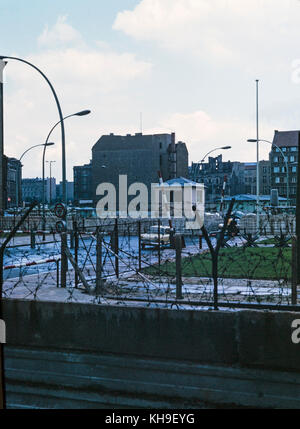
{"x":283,"y":169}
{"x":284,"y":180}
{"x":285,"y":149}
{"x":291,"y":158}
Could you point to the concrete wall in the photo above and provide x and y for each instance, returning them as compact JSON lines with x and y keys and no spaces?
{"x":78,"y":355}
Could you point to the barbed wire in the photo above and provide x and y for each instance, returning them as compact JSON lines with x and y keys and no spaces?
{"x":252,"y":268}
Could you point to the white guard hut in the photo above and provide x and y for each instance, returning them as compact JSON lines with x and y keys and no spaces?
{"x":181,"y":198}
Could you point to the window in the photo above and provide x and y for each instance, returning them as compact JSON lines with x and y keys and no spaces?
{"x":283,"y":149}
{"x":276,"y":170}
{"x":282,"y":169}
{"x":277,"y":179}
{"x":294,"y":179}
{"x":275,"y":159}
{"x":294,"y":169}
{"x":292,"y":158}
{"x":294,"y":149}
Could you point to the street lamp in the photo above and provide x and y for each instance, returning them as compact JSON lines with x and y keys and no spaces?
{"x":81,"y":113}
{"x":20,"y":159}
{"x":64,"y":262}
{"x":50,"y":196}
{"x":286,"y":164}
{"x":218,"y":148}
{"x":213,"y":150}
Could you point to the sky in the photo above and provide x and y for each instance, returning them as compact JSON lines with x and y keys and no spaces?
{"x":187,"y":66}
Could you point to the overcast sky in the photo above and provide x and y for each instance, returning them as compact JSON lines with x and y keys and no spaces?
{"x":188,"y":65}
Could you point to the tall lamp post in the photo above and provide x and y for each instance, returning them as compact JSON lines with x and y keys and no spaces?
{"x":50,"y":164}
{"x":64,"y":262}
{"x":81,"y":113}
{"x":286,"y":164}
{"x":208,"y":153}
{"x":20,"y":159}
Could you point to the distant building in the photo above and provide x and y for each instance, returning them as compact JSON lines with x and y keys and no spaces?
{"x":69,"y":190}
{"x":12,"y":172}
{"x":213,"y":174}
{"x":247,"y":203}
{"x":83,"y":190}
{"x":250,"y":173}
{"x":32,"y":190}
{"x":50,"y":190}
{"x":240,"y":178}
{"x":138,"y":156}
{"x":288,"y":142}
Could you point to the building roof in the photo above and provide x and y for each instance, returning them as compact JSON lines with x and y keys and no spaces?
{"x":181,"y":181}
{"x":286,"y":138}
{"x":248,"y":197}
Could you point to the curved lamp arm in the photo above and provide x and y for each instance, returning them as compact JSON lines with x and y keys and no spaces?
{"x":3,"y":57}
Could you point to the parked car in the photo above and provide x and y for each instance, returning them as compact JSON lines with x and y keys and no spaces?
{"x":155,"y":235}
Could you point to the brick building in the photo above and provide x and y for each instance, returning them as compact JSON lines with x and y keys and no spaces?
{"x":287,"y":142}
{"x":138,"y":156}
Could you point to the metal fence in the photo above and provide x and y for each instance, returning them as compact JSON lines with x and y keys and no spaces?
{"x":111,"y":263}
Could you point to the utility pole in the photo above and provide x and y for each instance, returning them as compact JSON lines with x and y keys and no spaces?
{"x":257,"y":162}
{"x":2,"y":204}
{"x":298,"y":215}
{"x":50,"y":164}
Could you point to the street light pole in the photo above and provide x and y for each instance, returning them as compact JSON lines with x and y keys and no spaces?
{"x":81,"y":113}
{"x":286,"y":165}
{"x":2,"y":205}
{"x":213,"y":150}
{"x":257,"y":162}
{"x":4,"y":57}
{"x":50,"y":164}
{"x":64,"y":262}
{"x":20,"y":159}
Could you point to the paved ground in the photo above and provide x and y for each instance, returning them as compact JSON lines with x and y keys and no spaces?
{"x":40,"y":282}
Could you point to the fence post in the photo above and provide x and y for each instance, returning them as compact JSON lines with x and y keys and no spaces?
{"x":159,"y":253}
{"x":140,"y":245}
{"x":200,"y":241}
{"x":116,"y":247}
{"x":178,"y":247}
{"x":72,"y":237}
{"x":76,"y":245}
{"x":99,"y":283}
{"x":57,"y":273}
{"x":64,"y":260}
{"x":32,"y":239}
{"x":294,"y":271}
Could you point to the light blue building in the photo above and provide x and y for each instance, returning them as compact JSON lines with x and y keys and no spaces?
{"x":247,"y":203}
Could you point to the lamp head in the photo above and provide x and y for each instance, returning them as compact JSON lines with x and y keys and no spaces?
{"x":49,"y":144}
{"x":226,"y":147}
{"x":251,"y":140}
{"x":83,"y":113}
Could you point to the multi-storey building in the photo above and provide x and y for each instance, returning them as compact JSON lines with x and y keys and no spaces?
{"x":83,"y":183}
{"x":239,"y":178}
{"x":12,"y":177}
{"x":213,"y":174}
{"x":32,"y":190}
{"x":250,"y":173}
{"x":284,"y":154}
{"x":69,"y":191}
{"x":139,"y":157}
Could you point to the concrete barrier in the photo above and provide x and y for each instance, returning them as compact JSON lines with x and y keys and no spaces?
{"x":63,"y":355}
